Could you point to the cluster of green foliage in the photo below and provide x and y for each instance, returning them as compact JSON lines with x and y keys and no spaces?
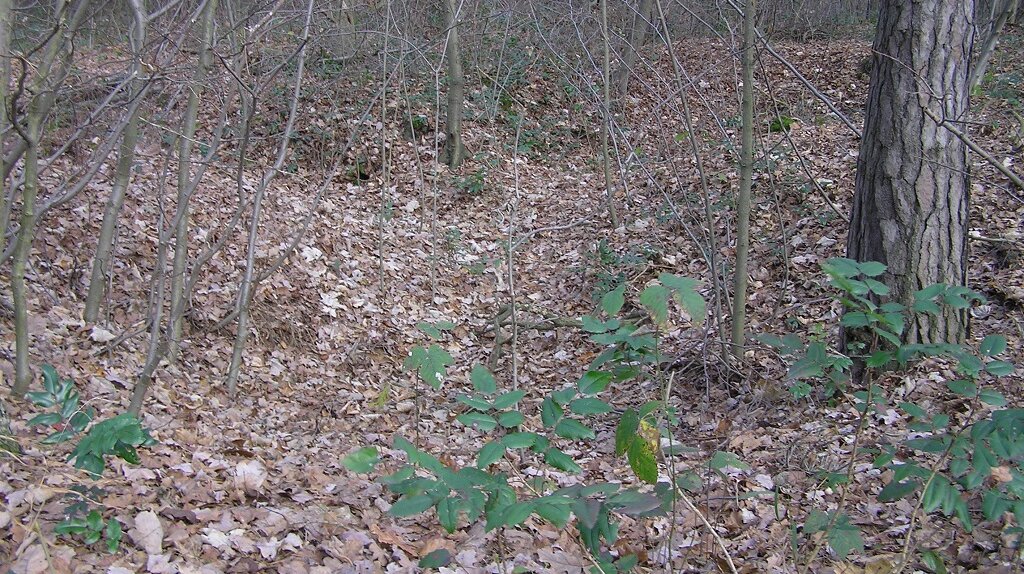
{"x":951,"y":453}
{"x":119,"y":436}
{"x":946,"y":465}
{"x":483,"y":491}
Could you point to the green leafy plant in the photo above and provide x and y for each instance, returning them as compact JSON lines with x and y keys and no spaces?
{"x":68,"y":417}
{"x":945,"y":464}
{"x":88,"y":523}
{"x":482,"y":491}
{"x":118,"y":436}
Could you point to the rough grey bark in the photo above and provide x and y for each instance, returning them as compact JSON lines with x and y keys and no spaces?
{"x":454,"y":150}
{"x":739,"y":301}
{"x":910,"y":206}
{"x":122,"y":175}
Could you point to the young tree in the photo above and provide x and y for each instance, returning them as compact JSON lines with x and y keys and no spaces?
{"x":739,"y":301}
{"x":454,"y":152}
{"x":910,"y":204}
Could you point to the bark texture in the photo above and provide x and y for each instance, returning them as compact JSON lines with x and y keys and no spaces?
{"x":910,"y":207}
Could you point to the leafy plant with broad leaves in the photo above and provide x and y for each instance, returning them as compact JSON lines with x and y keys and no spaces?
{"x":118,"y":436}
{"x":483,"y":492}
{"x":949,"y":458}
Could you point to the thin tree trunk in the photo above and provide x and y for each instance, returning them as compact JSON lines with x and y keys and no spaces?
{"x":910,"y":206}
{"x":248,"y":284}
{"x":5,"y":73}
{"x":739,"y":300}
{"x":125,"y":160}
{"x":991,"y":40}
{"x":43,"y":87}
{"x":185,"y":183}
{"x":606,"y":100}
{"x":454,"y":151}
{"x":637,"y":39}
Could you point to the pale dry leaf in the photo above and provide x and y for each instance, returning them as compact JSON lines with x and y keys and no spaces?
{"x":101,"y":335}
{"x":250,"y":476}
{"x":148,"y":532}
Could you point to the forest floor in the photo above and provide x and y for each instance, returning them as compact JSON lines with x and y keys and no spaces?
{"x":256,"y":482}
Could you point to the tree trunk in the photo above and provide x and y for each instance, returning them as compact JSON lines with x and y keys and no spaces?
{"x":454,"y":151}
{"x":48,"y":75}
{"x":606,"y":120}
{"x":739,"y":301}
{"x":186,"y":184}
{"x":125,"y":160}
{"x":988,"y":47}
{"x":637,"y":38}
{"x":249,"y":283}
{"x":5,"y":73}
{"x":910,"y":206}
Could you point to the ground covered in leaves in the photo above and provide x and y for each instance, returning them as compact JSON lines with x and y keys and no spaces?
{"x":256,"y":482}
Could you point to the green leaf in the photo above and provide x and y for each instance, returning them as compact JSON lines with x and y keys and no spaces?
{"x":410,"y":505}
{"x":855,"y":320}
{"x":589,"y":406}
{"x":556,"y":514}
{"x":490,"y":453}
{"x":594,"y":325}
{"x":50,"y":379}
{"x":932,"y":560}
{"x":999,"y":368}
{"x":993,"y":398}
{"x":897,"y":490}
{"x":511,"y":419}
{"x":483,"y":380}
{"x":550,"y":412}
{"x":508,"y":399}
{"x":879,"y":359}
{"x":430,"y":363}
{"x":475,"y":403}
{"x":519,"y":440}
{"x":632,"y":502}
{"x":685,"y":292}
{"x":625,"y":433}
{"x":434,"y":330}
{"x":655,"y":299}
{"x":844,"y":537}
{"x":41,"y":399}
{"x":362,"y":461}
{"x":992,"y":345}
{"x":113,"y":535}
{"x":593,"y":382}
{"x":872,"y":268}
{"x":613,"y":300}
{"x":45,"y":419}
{"x":962,"y":387}
{"x":573,"y":429}
{"x":481,"y":421}
{"x":436,"y":559}
{"x":816,"y":521}
{"x":641,"y":460}
{"x":516,"y":514}
{"x":94,"y":520}
{"x":722,"y":459}
{"x":561,"y":461}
